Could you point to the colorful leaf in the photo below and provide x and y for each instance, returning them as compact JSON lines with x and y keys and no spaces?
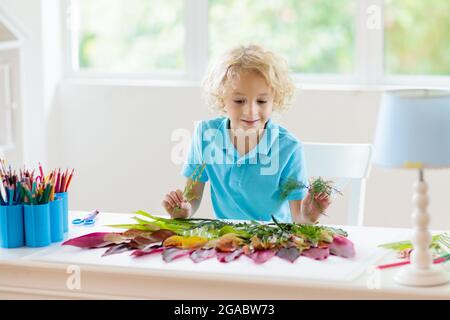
{"x":289,"y":254}
{"x":148,"y":250}
{"x":133,"y":233}
{"x":173,"y":241}
{"x":261,"y":256}
{"x":118,"y":248}
{"x":226,"y":257}
{"x":317,"y":253}
{"x":194,"y":242}
{"x":171,"y":254}
{"x":342,"y":247}
{"x":160,"y":235}
{"x":202,"y":255}
{"x":91,"y":240}
{"x":229,"y":242}
{"x":116,"y":238}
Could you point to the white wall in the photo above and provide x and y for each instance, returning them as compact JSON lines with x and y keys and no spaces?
{"x":40,"y":21}
{"x":118,"y":137}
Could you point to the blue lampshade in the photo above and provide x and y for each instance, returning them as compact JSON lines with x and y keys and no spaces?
{"x":413,"y":129}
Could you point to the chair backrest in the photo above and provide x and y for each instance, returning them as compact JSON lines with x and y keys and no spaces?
{"x":350,"y":163}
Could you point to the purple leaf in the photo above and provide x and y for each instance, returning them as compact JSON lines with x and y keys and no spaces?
{"x":119,"y":248}
{"x":171,"y":254}
{"x":317,"y":253}
{"x":261,"y":256}
{"x":289,"y":254}
{"x":342,"y":247}
{"x":202,"y":255}
{"x":91,"y":240}
{"x":148,"y":250}
{"x":229,"y":256}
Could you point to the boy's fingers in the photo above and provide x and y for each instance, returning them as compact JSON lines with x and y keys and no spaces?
{"x":180,"y":195}
{"x":322,"y":196}
{"x":174,"y":196}
{"x":170,"y":201}
{"x":166,"y":205}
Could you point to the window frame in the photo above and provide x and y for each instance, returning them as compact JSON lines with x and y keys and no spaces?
{"x":368,"y":54}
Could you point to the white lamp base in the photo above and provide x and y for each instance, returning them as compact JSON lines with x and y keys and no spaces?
{"x":421,"y":271}
{"x":410,"y":276}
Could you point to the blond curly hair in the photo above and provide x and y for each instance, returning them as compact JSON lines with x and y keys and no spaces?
{"x":251,"y":57}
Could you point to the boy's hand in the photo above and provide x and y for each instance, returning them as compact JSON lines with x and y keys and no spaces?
{"x":314,"y":207}
{"x":176,"y":205}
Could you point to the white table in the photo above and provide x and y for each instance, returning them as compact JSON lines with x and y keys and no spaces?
{"x":52,"y":272}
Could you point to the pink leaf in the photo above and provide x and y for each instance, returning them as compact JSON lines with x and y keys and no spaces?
{"x":202,"y":255}
{"x":148,"y":250}
{"x":317,"y":253}
{"x":171,"y":254}
{"x":289,"y":254}
{"x":229,"y":256}
{"x":342,"y":247}
{"x":91,"y":240}
{"x":261,"y":256}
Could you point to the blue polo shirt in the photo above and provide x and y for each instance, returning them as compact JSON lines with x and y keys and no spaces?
{"x":247,"y":186}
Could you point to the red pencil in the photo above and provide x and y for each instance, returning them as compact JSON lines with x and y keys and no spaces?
{"x":41,"y":171}
{"x":57,"y":182}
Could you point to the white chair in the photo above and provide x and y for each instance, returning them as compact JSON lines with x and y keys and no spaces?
{"x":350,"y":163}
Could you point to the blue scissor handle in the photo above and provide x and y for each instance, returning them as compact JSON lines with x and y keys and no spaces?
{"x":78,"y":221}
{"x":89,"y":221}
{"x":86,"y":222}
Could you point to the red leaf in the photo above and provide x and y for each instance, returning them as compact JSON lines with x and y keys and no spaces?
{"x":229,"y":256}
{"x":289,"y":254}
{"x":171,"y":254}
{"x":148,"y":250}
{"x":342,"y":247}
{"x":91,"y":240}
{"x":317,"y":253}
{"x":202,"y":255}
{"x":261,"y":256}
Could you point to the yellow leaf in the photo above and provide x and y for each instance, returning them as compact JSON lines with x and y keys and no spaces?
{"x":173,"y":241}
{"x":194,"y":242}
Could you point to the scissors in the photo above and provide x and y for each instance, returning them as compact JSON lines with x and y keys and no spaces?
{"x":88,"y":220}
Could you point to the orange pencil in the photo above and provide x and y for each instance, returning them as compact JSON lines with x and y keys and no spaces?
{"x":70,"y":178}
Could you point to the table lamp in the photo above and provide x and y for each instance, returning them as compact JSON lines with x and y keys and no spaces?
{"x":413,"y":132}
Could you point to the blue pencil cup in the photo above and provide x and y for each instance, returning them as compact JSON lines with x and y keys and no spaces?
{"x":37,"y":225}
{"x":65,"y":198}
{"x":56,"y":220}
{"x":11,"y":226}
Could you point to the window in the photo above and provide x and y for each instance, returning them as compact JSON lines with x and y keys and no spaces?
{"x":323,"y":40}
{"x":129,"y":36}
{"x":417,"y":37}
{"x":304,"y":32}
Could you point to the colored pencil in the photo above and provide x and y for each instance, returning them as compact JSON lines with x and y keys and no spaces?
{"x":441,"y":259}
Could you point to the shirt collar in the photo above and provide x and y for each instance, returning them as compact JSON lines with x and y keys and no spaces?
{"x":267,"y":140}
